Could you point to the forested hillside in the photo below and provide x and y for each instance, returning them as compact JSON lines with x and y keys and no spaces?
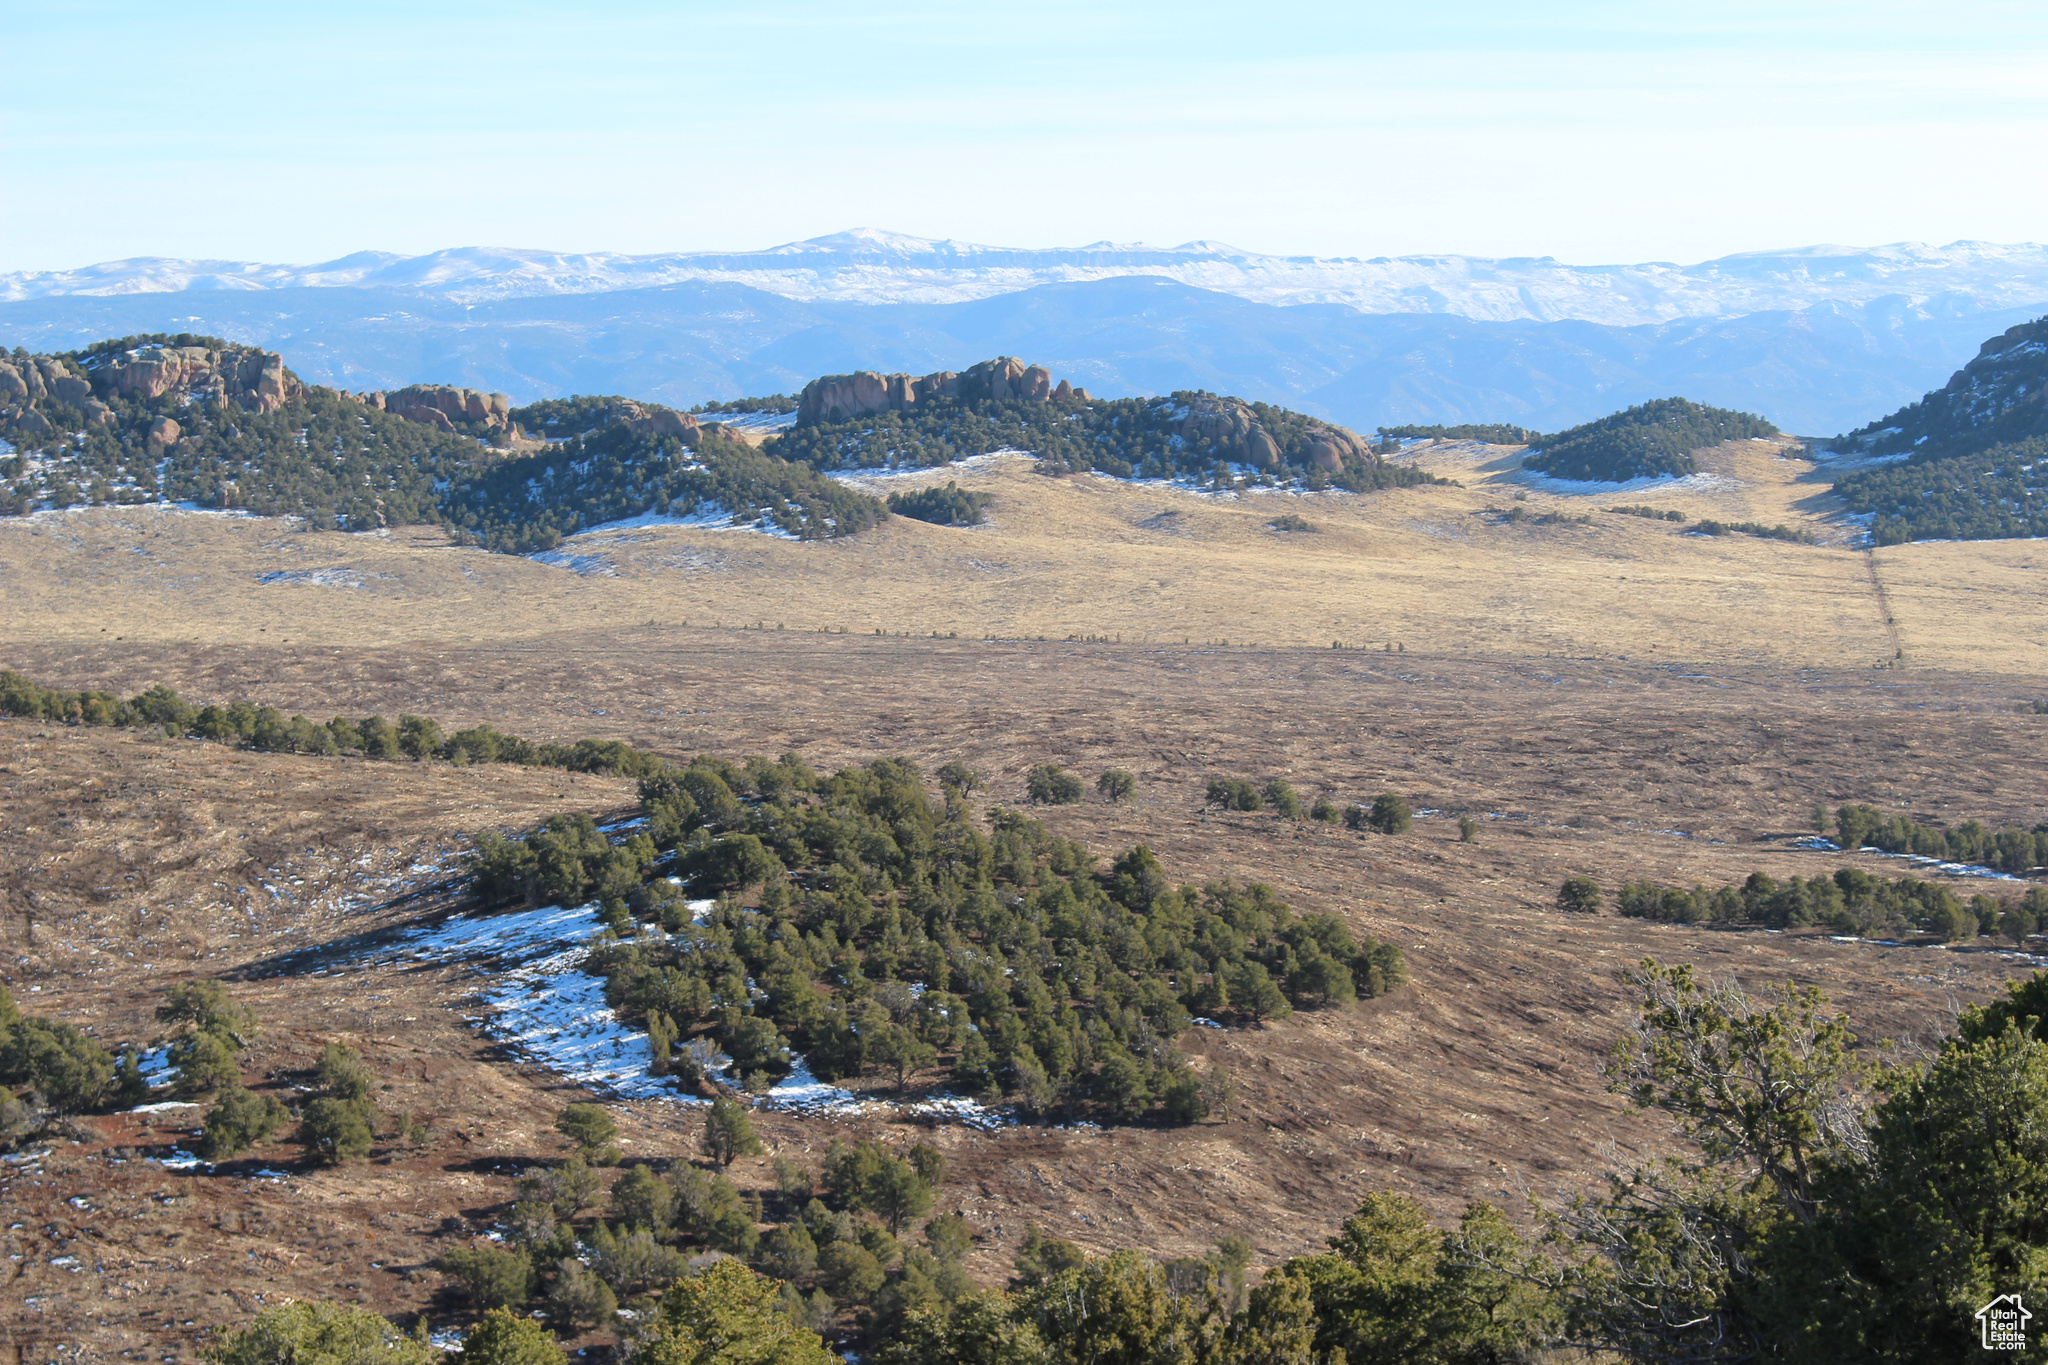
{"x":196,"y":419}
{"x":608,"y":459}
{"x":1650,"y":440}
{"x":191,"y":418}
{"x":1974,"y":451}
{"x":869,"y":421}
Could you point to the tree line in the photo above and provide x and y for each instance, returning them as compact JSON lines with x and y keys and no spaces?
{"x":1492,"y":433}
{"x":2008,"y":849}
{"x":893,"y":934}
{"x":1852,"y":901}
{"x":264,"y":728}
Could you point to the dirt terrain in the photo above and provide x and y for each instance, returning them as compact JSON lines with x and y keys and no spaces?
{"x":130,"y":862}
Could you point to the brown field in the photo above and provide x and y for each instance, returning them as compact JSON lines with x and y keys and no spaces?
{"x":1431,"y":569}
{"x":128,"y":863}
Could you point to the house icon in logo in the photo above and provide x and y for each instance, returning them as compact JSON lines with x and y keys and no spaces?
{"x":2004,"y":1321}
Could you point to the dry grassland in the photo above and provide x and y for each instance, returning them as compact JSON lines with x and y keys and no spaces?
{"x":127,"y":863}
{"x":1432,"y":569}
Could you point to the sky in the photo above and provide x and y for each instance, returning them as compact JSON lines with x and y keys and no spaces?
{"x":1581,"y":129}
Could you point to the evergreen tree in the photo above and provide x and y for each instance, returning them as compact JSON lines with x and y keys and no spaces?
{"x":729,"y":1133}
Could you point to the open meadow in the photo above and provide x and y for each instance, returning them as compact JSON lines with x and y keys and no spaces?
{"x":1611,"y":698}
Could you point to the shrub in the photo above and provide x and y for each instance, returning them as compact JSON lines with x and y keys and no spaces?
{"x":1115,"y":785}
{"x":727,"y":1313}
{"x":1048,"y":784}
{"x":591,"y":1129}
{"x":313,"y":1333}
{"x":578,"y":1298}
{"x":342,"y":1076}
{"x":502,"y":1338}
{"x":490,"y":1277}
{"x":1325,"y":811}
{"x":207,"y":1007}
{"x":1580,"y":895}
{"x":1390,"y":814}
{"x":334,"y":1131}
{"x":1233,"y":793}
{"x":1281,"y":797}
{"x":239,"y":1121}
{"x":205,"y":1062}
{"x":1293,"y":521}
{"x":1468,"y":830}
{"x":69,"y":1070}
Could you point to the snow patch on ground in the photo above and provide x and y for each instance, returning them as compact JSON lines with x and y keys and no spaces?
{"x":1821,"y":844}
{"x":156,"y":1068}
{"x":710,"y":518}
{"x":322,"y":578}
{"x":911,"y":476}
{"x":583,"y":566}
{"x":542,"y":1005}
{"x":1663,"y":483}
{"x":753,"y":423}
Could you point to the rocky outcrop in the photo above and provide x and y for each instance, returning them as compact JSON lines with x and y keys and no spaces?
{"x":164,"y":432}
{"x":1239,"y":437}
{"x":252,"y":378}
{"x":843,"y":397}
{"x":442,"y":406}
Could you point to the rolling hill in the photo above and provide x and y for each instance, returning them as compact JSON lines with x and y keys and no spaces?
{"x":195,"y":419}
{"x":1969,"y":461}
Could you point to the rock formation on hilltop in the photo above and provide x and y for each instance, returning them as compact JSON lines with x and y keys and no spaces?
{"x":1227,"y":429}
{"x":442,"y":406}
{"x":1233,"y":428}
{"x":252,"y":379}
{"x":842,"y":397}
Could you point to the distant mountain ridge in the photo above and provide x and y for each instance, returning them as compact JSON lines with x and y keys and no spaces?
{"x":1819,"y":371}
{"x":875,"y":267}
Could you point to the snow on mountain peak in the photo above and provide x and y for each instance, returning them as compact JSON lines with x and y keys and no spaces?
{"x":871,"y":265}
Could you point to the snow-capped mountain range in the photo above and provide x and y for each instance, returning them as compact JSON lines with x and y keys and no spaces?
{"x":874,"y":267}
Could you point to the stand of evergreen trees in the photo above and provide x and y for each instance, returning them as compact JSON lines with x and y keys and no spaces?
{"x":270,"y":730}
{"x":1850,"y":902}
{"x":1651,"y":440}
{"x":1999,"y":493}
{"x":1492,"y":433}
{"x":948,"y":506}
{"x":1122,"y":437}
{"x":2010,"y":849}
{"x":891,"y":934}
{"x":320,"y":456}
{"x":529,"y":502}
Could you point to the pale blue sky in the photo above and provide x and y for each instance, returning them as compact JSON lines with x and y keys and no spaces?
{"x":1587,"y":130}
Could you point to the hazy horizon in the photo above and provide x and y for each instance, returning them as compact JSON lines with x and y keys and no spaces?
{"x":1590,"y":132}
